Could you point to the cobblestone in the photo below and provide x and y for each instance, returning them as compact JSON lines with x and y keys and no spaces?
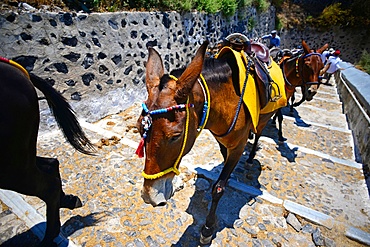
{"x":114,"y":214}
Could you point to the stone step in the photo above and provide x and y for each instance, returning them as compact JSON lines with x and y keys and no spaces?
{"x":316,"y":115}
{"x":320,"y":186}
{"x":334,"y":141}
{"x":316,"y":180}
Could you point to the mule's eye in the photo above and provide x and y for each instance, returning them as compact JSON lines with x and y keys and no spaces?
{"x":175,"y":138}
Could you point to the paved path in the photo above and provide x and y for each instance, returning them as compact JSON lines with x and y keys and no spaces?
{"x":308,"y":191}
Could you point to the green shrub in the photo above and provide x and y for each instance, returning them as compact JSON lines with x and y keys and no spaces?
{"x":364,"y":62}
{"x":244,"y":3}
{"x":332,"y":15}
{"x":228,"y":7}
{"x":209,"y":6}
{"x":187,"y":5}
{"x":251,"y":23}
{"x":278,"y":23}
{"x":261,"y":5}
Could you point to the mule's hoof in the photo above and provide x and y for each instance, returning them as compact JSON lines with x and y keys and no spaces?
{"x":205,"y":240}
{"x":71,"y":202}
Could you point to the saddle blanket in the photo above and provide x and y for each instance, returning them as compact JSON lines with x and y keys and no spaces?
{"x":251,"y":97}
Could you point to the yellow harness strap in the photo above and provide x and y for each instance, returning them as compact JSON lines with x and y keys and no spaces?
{"x":174,"y":167}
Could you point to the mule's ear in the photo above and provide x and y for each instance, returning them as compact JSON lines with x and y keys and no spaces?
{"x":189,"y":76}
{"x":154,"y":69}
{"x":306,"y":48}
{"x":323,"y":48}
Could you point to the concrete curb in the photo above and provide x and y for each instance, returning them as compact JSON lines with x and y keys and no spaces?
{"x":31,"y":217}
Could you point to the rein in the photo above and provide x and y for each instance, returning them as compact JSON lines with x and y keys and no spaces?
{"x":239,"y":103}
{"x":15,"y":64}
{"x":147,"y":123}
{"x":299,"y":72}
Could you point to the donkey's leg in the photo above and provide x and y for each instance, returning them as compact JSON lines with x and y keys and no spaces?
{"x":223,"y":150}
{"x":217,"y":192}
{"x":50,"y":193}
{"x":34,"y":182}
{"x":51,"y":166}
{"x":27,"y":179}
{"x":273,"y":121}
{"x":292,"y":99}
{"x":280,"y":131}
{"x":253,"y":152}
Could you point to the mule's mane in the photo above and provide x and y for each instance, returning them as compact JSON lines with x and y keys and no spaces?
{"x":214,"y":70}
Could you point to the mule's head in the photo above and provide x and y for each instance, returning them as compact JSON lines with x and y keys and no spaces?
{"x":172,"y":131}
{"x":310,"y":71}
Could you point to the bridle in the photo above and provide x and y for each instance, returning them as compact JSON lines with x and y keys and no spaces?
{"x":147,"y":120}
{"x":299,"y":71}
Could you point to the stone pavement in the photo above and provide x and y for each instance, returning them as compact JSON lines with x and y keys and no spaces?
{"x":308,"y":191}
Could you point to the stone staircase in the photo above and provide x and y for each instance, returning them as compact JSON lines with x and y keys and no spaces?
{"x":308,"y":191}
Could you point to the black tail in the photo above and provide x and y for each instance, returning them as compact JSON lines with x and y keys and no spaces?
{"x":64,"y":116}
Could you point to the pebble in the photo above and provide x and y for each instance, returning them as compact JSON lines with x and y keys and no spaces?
{"x":293,"y":221}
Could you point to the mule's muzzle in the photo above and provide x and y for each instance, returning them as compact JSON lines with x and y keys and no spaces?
{"x":311,"y":90}
{"x":157,"y":192}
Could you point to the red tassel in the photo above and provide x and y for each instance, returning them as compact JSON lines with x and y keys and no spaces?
{"x":140,"y":148}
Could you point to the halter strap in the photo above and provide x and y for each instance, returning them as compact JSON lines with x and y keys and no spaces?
{"x":174,"y":167}
{"x":147,"y":122}
{"x":207,"y":103}
{"x":15,"y":64}
{"x":301,"y":72}
{"x":298,"y":73}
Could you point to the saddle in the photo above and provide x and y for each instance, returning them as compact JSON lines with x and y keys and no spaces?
{"x":260,"y":55}
{"x":255,"y":98}
{"x":261,"y":52}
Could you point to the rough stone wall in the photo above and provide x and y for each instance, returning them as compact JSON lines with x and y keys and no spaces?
{"x":98,"y":60}
{"x":354,"y":91}
{"x":351,"y":42}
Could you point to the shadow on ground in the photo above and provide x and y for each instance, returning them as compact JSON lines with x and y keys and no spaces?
{"x":230,"y":204}
{"x":75,"y":223}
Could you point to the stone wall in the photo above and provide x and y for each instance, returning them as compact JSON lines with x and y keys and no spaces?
{"x":351,"y":42}
{"x":354,"y":91}
{"x":98,"y":60}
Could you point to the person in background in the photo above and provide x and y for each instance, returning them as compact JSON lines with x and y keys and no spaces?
{"x":332,"y":65}
{"x":274,"y":39}
{"x":325,"y":55}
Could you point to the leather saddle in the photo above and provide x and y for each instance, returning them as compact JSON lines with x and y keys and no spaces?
{"x":261,"y":51}
{"x":260,"y":55}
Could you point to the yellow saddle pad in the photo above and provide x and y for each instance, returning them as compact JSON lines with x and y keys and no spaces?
{"x":277,"y":88}
{"x":251,"y":97}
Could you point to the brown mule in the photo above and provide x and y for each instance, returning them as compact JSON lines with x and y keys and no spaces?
{"x":301,"y":70}
{"x":178,"y":107}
